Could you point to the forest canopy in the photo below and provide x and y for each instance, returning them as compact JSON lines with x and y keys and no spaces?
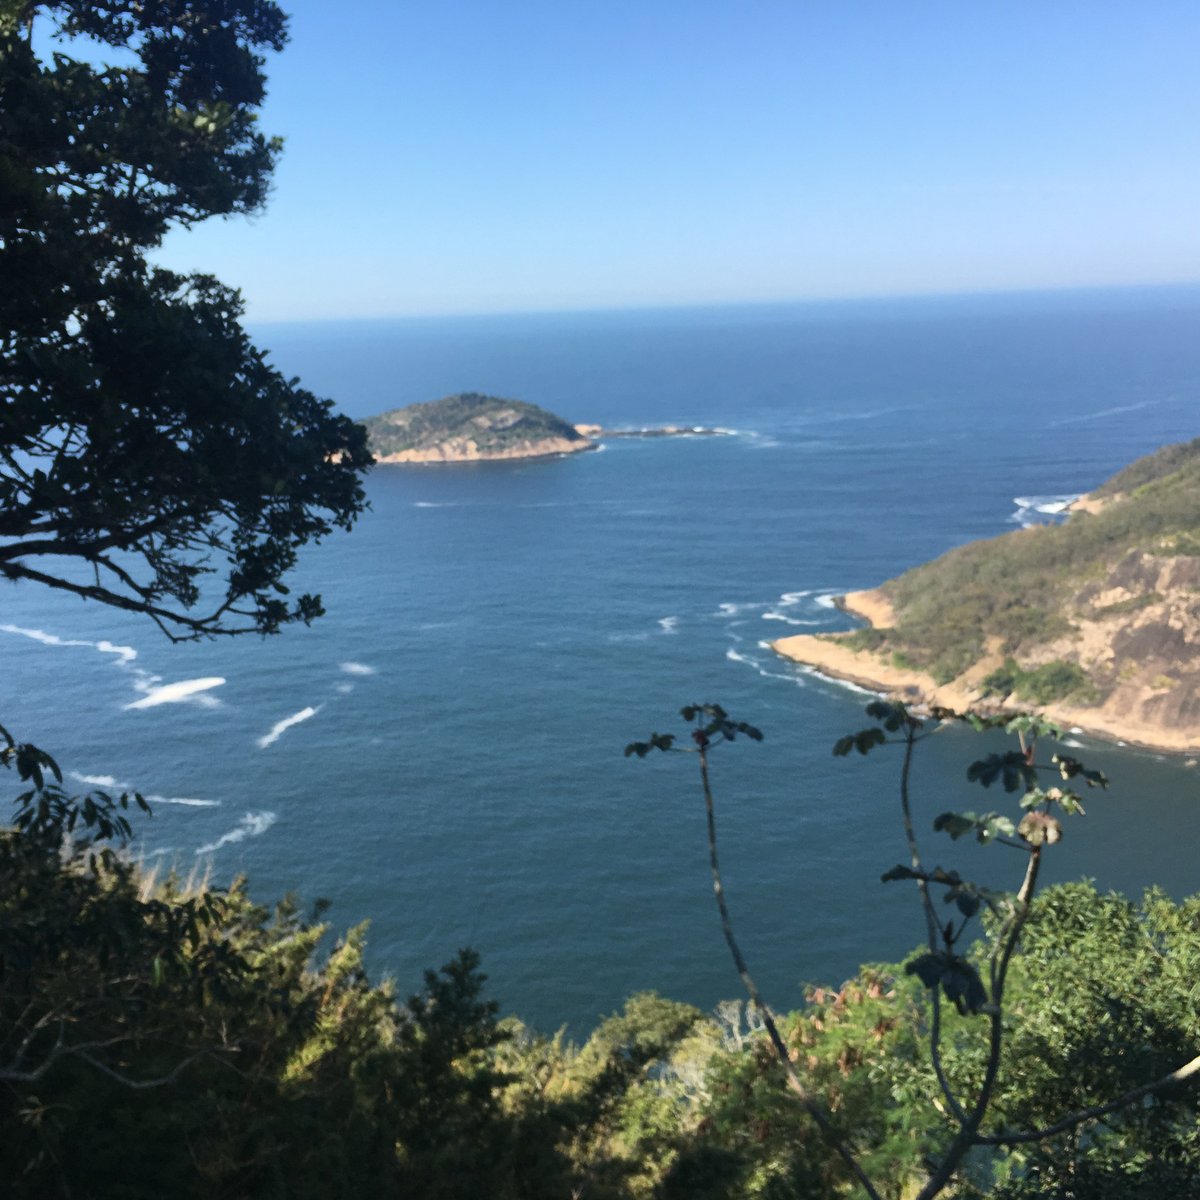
{"x":150,"y":456}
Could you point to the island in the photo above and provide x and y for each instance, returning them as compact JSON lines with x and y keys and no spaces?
{"x":472,"y":427}
{"x":1095,"y":621}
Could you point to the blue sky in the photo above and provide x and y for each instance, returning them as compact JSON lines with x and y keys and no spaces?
{"x":462,"y":156}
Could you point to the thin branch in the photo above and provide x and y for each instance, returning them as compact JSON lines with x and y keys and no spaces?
{"x":138,"y":1084}
{"x":931,"y":923}
{"x":811,"y":1106}
{"x":162,"y":616}
{"x":1008,"y":1138}
{"x":965,"y":1138}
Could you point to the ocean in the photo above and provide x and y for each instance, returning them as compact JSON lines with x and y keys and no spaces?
{"x":442,"y":753}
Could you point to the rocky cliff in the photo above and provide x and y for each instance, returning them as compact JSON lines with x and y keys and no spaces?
{"x":1095,"y":622}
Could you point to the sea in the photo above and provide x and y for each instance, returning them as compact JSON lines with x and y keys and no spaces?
{"x":442,"y":754}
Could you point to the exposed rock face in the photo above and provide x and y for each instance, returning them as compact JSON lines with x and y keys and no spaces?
{"x":470,"y":428}
{"x":1121,"y":620}
{"x":464,"y":449}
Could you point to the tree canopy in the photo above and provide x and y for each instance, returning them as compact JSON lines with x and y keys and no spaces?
{"x":150,"y":456}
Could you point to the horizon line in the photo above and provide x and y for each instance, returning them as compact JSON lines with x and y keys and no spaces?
{"x":704,"y":305}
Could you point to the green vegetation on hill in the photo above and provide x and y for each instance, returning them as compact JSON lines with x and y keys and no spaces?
{"x":495,"y":426}
{"x":211,"y":1042}
{"x":1154,"y":466}
{"x":1023,"y":587}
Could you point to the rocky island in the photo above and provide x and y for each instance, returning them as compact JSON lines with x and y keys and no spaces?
{"x":1095,"y":621}
{"x":472,"y":427}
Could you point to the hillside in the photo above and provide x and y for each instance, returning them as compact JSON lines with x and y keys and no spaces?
{"x":1095,"y":621}
{"x":468,"y":428}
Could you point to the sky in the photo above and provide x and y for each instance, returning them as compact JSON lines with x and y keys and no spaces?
{"x":486,"y":156}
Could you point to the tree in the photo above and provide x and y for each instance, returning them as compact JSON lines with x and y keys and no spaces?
{"x":974,"y":982}
{"x":150,"y":457}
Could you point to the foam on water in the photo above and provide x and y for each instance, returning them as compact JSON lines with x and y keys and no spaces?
{"x":253,"y":824}
{"x":778,"y":616}
{"x":1041,"y":510}
{"x":100,"y":781}
{"x":668,"y":624}
{"x":125,"y":654}
{"x":113,"y":784}
{"x":357,"y":668}
{"x":182,"y":801}
{"x":185,"y":691}
{"x":1100,"y":414}
{"x":281,"y":727}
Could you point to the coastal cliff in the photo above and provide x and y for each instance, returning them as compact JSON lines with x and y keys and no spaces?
{"x":470,"y":427}
{"x":1095,"y":622}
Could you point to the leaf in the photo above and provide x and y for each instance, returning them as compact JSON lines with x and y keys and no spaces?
{"x":1069,"y":768}
{"x":890,"y":714}
{"x":928,"y":968}
{"x":863,"y":741}
{"x":658,"y":741}
{"x":955,"y":824}
{"x":1040,"y":829}
{"x":967,"y":898}
{"x":899,"y":871}
{"x":963,"y":987}
{"x":1012,"y":768}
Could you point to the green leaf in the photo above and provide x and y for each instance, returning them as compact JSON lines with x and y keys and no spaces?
{"x":1011,"y":768}
{"x":863,"y":741}
{"x":955,"y":824}
{"x":963,"y":987}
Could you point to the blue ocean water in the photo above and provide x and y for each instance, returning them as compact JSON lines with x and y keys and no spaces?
{"x":442,"y":753}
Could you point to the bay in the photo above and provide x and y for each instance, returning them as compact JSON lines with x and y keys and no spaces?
{"x":442,"y":753}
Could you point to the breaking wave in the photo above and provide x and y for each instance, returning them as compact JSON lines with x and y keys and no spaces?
{"x":253,"y":824}
{"x":281,"y":727}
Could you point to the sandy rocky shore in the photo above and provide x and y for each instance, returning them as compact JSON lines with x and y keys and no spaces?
{"x":465,"y":449}
{"x":1123,"y":718}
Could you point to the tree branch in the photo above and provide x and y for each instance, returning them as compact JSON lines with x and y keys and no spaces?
{"x":809,"y":1103}
{"x":1009,"y":1138}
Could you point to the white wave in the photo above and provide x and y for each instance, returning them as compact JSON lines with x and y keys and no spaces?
{"x":281,"y":727}
{"x":778,"y":616}
{"x":253,"y":824}
{"x":344,"y":689}
{"x":628,"y":637}
{"x":1102,"y":413}
{"x":437,"y":504}
{"x":185,"y":801}
{"x":668,"y":624}
{"x":112,"y":784}
{"x":790,"y":599}
{"x":100,"y":781}
{"x":357,"y":668}
{"x":1029,"y":508}
{"x":842,"y":683}
{"x":756,"y":666}
{"x":186,"y":691}
{"x":729,"y":609}
{"x":827,"y":600}
{"x":126,"y":654}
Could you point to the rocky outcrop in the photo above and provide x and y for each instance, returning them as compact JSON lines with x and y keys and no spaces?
{"x":1116,"y":651}
{"x":470,"y":427}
